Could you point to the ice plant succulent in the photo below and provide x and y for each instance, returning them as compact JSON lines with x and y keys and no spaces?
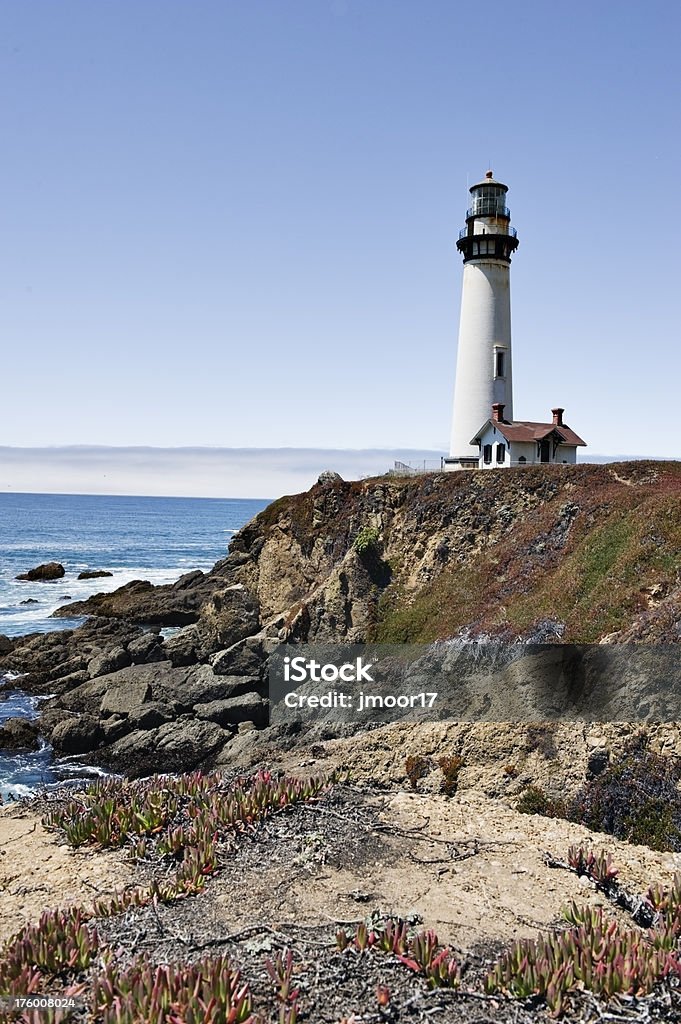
{"x":281,"y":969}
{"x":597,"y":866}
{"x":182,"y":819}
{"x":597,"y":954}
{"x":208,"y":992}
{"x":61,"y":941}
{"x":419,"y":952}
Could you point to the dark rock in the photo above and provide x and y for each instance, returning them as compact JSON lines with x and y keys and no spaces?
{"x":47,"y":657}
{"x":247,"y":707}
{"x":182,"y":648}
{"x":192,"y":739}
{"x":86,"y":696}
{"x":93,"y":574}
{"x":598,"y":762}
{"x":179,"y":688}
{"x":65,"y":597}
{"x":48,"y":571}
{"x":115,"y":727}
{"x":77,"y":735}
{"x":173,"y":747}
{"x":189,"y":580}
{"x":242,"y":750}
{"x":151,"y":715}
{"x":6,"y":645}
{"x":125,"y":697}
{"x":229,"y":616}
{"x":74,"y":679}
{"x":242,"y":658}
{"x":30,"y":600}
{"x":70,"y":666}
{"x":141,"y":602}
{"x":185,"y":688}
{"x":147,"y":648}
{"x":111,"y":661}
{"x":18,"y":734}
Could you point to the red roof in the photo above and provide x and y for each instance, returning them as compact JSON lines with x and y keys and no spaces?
{"x":525,"y":430}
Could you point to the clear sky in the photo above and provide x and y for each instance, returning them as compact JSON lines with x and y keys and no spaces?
{"x":234,"y":223}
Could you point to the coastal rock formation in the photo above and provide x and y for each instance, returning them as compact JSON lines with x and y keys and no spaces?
{"x":48,"y":571}
{"x":19,"y":734}
{"x":559,"y":554}
{"x":169,"y":605}
{"x":93,"y":574}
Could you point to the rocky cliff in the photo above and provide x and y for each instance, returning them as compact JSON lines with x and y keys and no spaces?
{"x":545,"y":554}
{"x":577,"y":553}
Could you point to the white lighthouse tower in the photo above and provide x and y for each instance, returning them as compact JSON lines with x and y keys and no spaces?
{"x":483,"y":366}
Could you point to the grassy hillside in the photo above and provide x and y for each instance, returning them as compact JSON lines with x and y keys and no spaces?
{"x":580,"y":552}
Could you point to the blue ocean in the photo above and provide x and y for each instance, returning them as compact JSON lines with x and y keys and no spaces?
{"x":156,"y":539}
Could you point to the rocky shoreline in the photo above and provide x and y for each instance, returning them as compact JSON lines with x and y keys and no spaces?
{"x":174,"y":677}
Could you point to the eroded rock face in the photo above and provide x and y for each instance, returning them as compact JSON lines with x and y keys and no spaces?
{"x":93,"y":574}
{"x":229,"y":616}
{"x":47,"y":571}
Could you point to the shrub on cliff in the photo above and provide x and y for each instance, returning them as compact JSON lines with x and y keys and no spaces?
{"x":635,"y":799}
{"x":367,"y":541}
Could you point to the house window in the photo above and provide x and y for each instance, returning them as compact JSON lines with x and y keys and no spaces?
{"x":501,"y":452}
{"x":499,"y":363}
{"x":522,"y":460}
{"x":487,"y":454}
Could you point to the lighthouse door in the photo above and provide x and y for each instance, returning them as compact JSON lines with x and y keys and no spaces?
{"x":545,"y":451}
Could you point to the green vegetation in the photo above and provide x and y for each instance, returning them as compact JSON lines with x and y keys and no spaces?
{"x":367,"y":541}
{"x":419,"y":951}
{"x":597,"y":954}
{"x":586,"y":563}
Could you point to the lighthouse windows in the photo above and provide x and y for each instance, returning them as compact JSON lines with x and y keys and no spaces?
{"x":501,"y":453}
{"x":499,"y":363}
{"x":487,"y":454}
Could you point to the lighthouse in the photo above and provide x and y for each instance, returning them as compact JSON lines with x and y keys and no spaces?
{"x":483,"y":365}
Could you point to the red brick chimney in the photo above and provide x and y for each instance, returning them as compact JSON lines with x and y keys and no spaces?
{"x":498,"y":412}
{"x":558,"y":416}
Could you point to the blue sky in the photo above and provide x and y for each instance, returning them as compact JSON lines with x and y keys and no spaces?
{"x":234,"y":224}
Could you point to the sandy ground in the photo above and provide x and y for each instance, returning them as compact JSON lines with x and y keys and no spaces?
{"x":472,"y":868}
{"x":468,"y":866}
{"x":37,"y":872}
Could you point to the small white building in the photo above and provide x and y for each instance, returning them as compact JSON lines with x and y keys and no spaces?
{"x":503,"y":443}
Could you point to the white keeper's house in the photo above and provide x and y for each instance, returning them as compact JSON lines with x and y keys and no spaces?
{"x":484,"y":433}
{"x":522,"y":443}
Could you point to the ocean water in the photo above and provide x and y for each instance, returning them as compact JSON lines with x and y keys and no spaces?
{"x":156,"y":539}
